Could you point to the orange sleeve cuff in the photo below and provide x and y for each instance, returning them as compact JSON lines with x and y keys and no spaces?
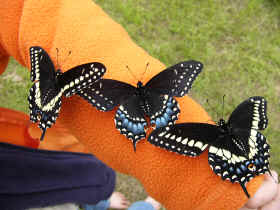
{"x":83,"y":28}
{"x":14,"y":127}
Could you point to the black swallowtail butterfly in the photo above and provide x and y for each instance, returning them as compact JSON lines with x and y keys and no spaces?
{"x":45,"y":94}
{"x":155,"y":99}
{"x":237,"y":151}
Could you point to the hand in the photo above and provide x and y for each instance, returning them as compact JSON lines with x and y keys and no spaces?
{"x":268,"y":195}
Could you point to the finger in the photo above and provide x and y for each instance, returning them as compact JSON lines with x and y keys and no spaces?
{"x":126,"y":203}
{"x":266,"y":192}
{"x":275,"y":204}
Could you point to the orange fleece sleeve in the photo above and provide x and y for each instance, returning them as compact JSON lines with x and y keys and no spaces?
{"x":83,"y":28}
{"x":14,"y":128}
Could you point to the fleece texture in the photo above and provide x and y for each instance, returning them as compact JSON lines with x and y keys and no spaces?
{"x":83,"y":28}
{"x":14,"y":128}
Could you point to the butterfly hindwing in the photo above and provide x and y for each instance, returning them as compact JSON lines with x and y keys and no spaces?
{"x":41,"y":65}
{"x":185,"y":138}
{"x":130,"y":120}
{"x":250,"y":114}
{"x":176,"y":80}
{"x":44,"y":111}
{"x":234,"y":166}
{"x":164,"y":110}
{"x":79,"y":77}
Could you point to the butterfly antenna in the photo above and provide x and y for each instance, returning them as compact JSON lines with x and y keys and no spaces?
{"x":57,"y":50}
{"x":223,"y":106}
{"x":212,"y":108}
{"x":131,"y":73}
{"x":145,"y":71}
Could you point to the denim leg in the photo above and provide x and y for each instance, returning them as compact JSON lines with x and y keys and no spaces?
{"x":141,"y":205}
{"x":101,"y":205}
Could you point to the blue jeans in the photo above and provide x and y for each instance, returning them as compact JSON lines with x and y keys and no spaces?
{"x":104,"y":205}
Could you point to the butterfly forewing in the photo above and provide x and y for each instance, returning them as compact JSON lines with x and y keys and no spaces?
{"x":79,"y":77}
{"x":176,"y":80}
{"x":42,"y":67}
{"x":106,"y":93}
{"x":185,"y":138}
{"x":34,"y":108}
{"x":250,"y":114}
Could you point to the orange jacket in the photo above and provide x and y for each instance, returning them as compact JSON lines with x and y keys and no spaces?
{"x":83,"y":28}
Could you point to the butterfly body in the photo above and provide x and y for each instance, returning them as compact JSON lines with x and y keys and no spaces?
{"x":142,"y":104}
{"x":229,"y":133}
{"x":144,"y":94}
{"x":237,"y":151}
{"x":50,"y":85}
{"x":154,"y":100}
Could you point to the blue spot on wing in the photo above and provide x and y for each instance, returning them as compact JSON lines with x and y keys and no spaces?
{"x":132,"y":128}
{"x":243,"y":167}
{"x":238,"y":171}
{"x":167,"y":115}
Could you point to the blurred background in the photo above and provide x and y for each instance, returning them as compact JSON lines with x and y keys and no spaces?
{"x":238,"y":41}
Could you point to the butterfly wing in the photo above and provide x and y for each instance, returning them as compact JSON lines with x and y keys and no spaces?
{"x":79,"y":77}
{"x":227,"y":160}
{"x":44,"y":96}
{"x":176,"y":80}
{"x":44,"y":108}
{"x":130,"y":120}
{"x":250,"y":114}
{"x":185,"y":138}
{"x":164,"y":110}
{"x":41,"y":65}
{"x":106,"y":93}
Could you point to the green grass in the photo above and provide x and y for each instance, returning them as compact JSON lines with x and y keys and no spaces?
{"x":237,"y":41}
{"x":14,"y":87}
